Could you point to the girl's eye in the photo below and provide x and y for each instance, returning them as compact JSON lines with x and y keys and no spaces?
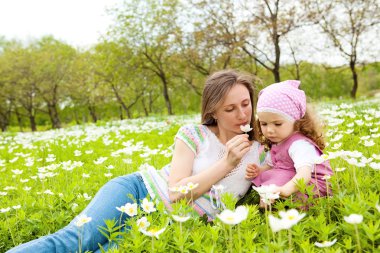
{"x":229,"y":110}
{"x":277,"y":124}
{"x":263,"y":124}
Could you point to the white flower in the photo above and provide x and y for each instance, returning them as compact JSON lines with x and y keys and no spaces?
{"x":148,"y":206}
{"x":49,"y":192}
{"x":100,"y":160}
{"x":325,"y":244}
{"x":180,"y":218}
{"x":82,"y":219}
{"x":267,"y":199}
{"x":369,"y":143}
{"x":326,"y":177}
{"x":218,"y":187}
{"x":143,"y":223}
{"x":247,"y":128}
{"x":267,"y":193}
{"x":377,"y":157}
{"x":191,"y":186}
{"x":153,"y":232}
{"x":183,"y":189}
{"x":77,"y":153}
{"x":354,"y":218}
{"x":85,"y":175}
{"x":86,"y":196}
{"x":174,"y":189}
{"x":108,"y":174}
{"x":377,"y":207}
{"x":16,"y":207}
{"x":233,"y":217}
{"x":375,"y":166}
{"x":129,"y":208}
{"x":290,"y":218}
{"x":340,"y":169}
{"x":275,"y":223}
{"x":17,"y":172}
{"x":5,"y":210}
{"x":321,"y":159}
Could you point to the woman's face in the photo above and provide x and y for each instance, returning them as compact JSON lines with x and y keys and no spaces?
{"x":235,"y":110}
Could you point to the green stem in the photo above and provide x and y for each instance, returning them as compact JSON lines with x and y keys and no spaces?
{"x":80,"y":240}
{"x":230,"y":227}
{"x":290,"y":240}
{"x":357,"y":237}
{"x":10,"y":231}
{"x":180,"y":229}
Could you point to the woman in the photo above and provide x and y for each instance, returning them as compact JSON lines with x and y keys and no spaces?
{"x":214,"y":153}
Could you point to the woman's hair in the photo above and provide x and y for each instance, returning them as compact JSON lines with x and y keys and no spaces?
{"x":308,"y":125}
{"x":216,"y":88}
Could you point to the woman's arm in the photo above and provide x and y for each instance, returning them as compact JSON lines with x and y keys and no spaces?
{"x":183,"y":161}
{"x":291,"y":187}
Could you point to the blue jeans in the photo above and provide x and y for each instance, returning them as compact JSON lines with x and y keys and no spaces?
{"x":102,"y":207}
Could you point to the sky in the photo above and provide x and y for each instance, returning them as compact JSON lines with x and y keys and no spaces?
{"x":80,"y":23}
{"x":76,"y":22}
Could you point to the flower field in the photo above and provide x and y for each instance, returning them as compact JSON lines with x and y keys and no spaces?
{"x":49,"y":177}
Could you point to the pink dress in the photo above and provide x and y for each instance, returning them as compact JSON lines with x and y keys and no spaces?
{"x":283,"y":169}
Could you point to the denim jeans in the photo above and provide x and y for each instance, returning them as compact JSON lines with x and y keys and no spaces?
{"x":113,"y":194}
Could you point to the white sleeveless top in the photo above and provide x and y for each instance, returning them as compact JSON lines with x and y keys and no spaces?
{"x":207,"y":150}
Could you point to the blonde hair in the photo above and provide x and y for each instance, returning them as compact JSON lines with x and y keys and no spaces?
{"x":216,"y":88}
{"x":309,"y":125}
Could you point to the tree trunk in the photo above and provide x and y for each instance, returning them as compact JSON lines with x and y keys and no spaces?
{"x":276,"y":67}
{"x":166,"y":95}
{"x":144,"y":107}
{"x":355,"y":78}
{"x":121,"y":112}
{"x":53,"y":113}
{"x":92,"y":110}
{"x":32,"y":121}
{"x":19,"y":120}
{"x":76,"y":117}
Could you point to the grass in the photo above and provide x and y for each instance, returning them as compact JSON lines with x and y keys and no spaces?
{"x":50,"y":176}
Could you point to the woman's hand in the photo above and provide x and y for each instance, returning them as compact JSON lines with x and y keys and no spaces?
{"x":237,"y":147}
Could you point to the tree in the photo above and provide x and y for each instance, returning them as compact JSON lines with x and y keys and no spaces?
{"x":52,"y":69}
{"x":150,"y":28}
{"x":346,"y":22}
{"x":116,"y":68}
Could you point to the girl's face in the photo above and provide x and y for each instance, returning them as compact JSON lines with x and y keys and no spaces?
{"x":235,"y":110}
{"x":275,"y":127}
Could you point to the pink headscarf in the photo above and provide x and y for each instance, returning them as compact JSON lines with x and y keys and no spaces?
{"x":283,"y":98}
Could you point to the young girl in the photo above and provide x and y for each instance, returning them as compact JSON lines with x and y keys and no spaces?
{"x":295,"y":141}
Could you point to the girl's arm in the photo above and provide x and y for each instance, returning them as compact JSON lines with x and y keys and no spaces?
{"x":183,"y":161}
{"x":291,"y":187}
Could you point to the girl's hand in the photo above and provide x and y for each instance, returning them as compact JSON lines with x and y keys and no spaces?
{"x":253,"y":170}
{"x":237,"y":147}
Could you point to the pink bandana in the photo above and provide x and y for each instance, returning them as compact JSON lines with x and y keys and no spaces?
{"x":283,"y":98}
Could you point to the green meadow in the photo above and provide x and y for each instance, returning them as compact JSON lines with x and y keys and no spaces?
{"x":48,"y":177}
